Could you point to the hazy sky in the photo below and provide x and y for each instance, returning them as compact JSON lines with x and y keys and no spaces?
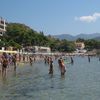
{"x":54,"y":16}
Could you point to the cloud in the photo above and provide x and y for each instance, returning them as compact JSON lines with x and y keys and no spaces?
{"x":90,"y":18}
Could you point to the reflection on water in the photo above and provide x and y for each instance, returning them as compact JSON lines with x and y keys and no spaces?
{"x":81,"y":82}
{"x":4,"y":80}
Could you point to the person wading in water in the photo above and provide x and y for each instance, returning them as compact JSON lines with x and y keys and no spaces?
{"x":63,"y":68}
{"x":14,"y":61}
{"x":30,"y":60}
{"x":51,"y":66}
{"x":4,"y":62}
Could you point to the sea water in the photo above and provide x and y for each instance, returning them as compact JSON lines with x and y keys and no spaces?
{"x":81,"y":81}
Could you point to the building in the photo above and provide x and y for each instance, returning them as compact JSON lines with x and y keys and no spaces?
{"x":3,"y":24}
{"x":39,"y":49}
{"x":8,"y":50}
{"x":36,"y":49}
{"x":79,"y":45}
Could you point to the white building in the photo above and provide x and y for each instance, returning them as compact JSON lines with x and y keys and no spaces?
{"x":36,"y":49}
{"x":39,"y":49}
{"x":80,"y":45}
{"x":2,"y":26}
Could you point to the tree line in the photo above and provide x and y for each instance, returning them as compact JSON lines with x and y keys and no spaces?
{"x":19,"y":35}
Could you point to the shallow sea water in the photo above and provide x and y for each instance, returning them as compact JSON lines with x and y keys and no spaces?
{"x":81,"y":81}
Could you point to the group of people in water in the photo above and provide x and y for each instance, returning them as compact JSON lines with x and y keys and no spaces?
{"x":49,"y":60}
{"x":8,"y":60}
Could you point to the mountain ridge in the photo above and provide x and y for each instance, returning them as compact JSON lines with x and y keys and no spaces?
{"x":72,"y":37}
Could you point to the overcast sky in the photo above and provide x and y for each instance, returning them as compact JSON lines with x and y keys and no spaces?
{"x":54,"y":16}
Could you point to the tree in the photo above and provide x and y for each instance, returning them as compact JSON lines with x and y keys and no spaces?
{"x":80,"y":40}
{"x":92,"y":44}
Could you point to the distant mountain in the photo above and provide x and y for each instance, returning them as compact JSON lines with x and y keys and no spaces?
{"x":88,"y":36}
{"x":97,"y":38}
{"x":64,"y":36}
{"x":71,"y":37}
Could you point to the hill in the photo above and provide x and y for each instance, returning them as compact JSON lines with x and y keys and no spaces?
{"x":72,"y":38}
{"x":97,"y":38}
